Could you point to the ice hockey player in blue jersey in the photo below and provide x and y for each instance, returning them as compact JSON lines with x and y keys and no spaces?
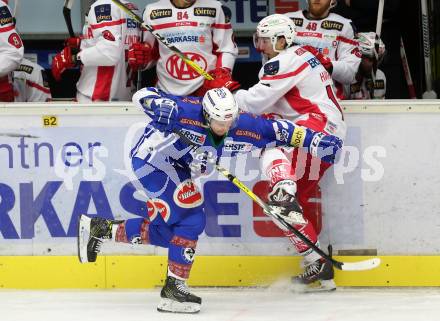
{"x":166,"y":164}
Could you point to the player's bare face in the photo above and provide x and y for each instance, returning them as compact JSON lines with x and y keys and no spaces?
{"x":319,"y":8}
{"x":264,"y":45}
{"x":220,"y":128}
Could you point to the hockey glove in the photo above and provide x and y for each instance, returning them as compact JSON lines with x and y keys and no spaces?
{"x":6,"y":90}
{"x":324,"y":60}
{"x":222,"y":78}
{"x":64,"y":60}
{"x":139,"y":55}
{"x":73,"y":42}
{"x":165,"y":114}
{"x":319,"y":145}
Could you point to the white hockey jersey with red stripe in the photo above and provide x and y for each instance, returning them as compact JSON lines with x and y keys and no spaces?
{"x":30,"y":83}
{"x":108,"y":33}
{"x":294,"y":85}
{"x":334,"y":37}
{"x":11,"y":46}
{"x":201,"y":32}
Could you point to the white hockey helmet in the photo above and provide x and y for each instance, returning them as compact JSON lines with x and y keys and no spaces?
{"x":219,"y":104}
{"x":367,"y":42}
{"x":274,"y":26}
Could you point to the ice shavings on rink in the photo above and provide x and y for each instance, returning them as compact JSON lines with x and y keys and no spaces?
{"x":225,"y":304}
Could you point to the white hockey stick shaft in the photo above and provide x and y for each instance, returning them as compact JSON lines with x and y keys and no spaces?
{"x":379,"y":17}
{"x":409,"y":82}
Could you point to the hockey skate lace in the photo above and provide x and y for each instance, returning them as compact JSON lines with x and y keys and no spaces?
{"x":312,"y":269}
{"x":181,"y":286}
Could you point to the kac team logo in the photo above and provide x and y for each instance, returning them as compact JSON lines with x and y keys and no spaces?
{"x":178,"y":69}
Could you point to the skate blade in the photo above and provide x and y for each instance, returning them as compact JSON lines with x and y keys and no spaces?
{"x":83,"y":237}
{"x":318,"y":286}
{"x":167,"y":305}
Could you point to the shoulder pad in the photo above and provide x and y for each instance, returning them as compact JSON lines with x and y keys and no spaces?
{"x":103,"y":12}
{"x":5,"y":16}
{"x":272,"y":68}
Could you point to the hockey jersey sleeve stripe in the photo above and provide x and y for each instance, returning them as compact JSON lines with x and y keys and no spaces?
{"x":8,"y":28}
{"x":175,"y":24}
{"x":37,"y":86}
{"x":108,"y":24}
{"x":347,"y":40}
{"x":221,"y":25}
{"x":287,"y":75}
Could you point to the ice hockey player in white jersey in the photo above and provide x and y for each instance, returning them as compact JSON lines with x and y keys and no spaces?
{"x":11,"y":52}
{"x":370,"y":82}
{"x":333,"y":36}
{"x":102,"y":53}
{"x":296,"y":86}
{"x":198,"y":28}
{"x":30,"y":83}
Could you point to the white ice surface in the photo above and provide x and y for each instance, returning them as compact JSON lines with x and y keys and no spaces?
{"x":225,"y":304}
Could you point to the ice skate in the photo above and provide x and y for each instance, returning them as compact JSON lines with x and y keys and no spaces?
{"x":175,"y":297}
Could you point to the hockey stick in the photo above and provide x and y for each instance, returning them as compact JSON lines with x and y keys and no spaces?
{"x":429,"y":93}
{"x":344,"y":266}
{"x":376,"y":43}
{"x":162,"y":40}
{"x":409,"y":82}
{"x":67,"y":17}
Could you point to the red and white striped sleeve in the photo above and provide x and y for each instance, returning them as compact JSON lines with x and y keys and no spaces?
{"x":11,"y":46}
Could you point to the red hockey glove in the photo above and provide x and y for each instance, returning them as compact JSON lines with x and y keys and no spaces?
{"x":324,"y":60}
{"x":222,"y":78}
{"x":73,"y":42}
{"x":62,"y":61}
{"x":139,"y":55}
{"x":6,"y":90}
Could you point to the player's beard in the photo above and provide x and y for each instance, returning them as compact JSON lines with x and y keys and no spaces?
{"x":319,"y":10}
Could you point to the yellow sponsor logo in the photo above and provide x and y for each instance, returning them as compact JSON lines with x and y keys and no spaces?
{"x":161,"y":13}
{"x":208,"y":12}
{"x":298,"y":137}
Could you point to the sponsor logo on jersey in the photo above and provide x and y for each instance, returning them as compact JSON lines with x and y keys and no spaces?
{"x":247,"y":133}
{"x":356,"y":52}
{"x":192,"y":122}
{"x":25,"y":68}
{"x":187,"y":195}
{"x":272,"y":68}
{"x":237,"y":147}
{"x":298,"y":21}
{"x":194,"y":136}
{"x":132,"y":24}
{"x":379,"y":84}
{"x":155,"y":206}
{"x":332,"y":25}
{"x":103,"y":13}
{"x":178,"y":69}
{"x":191,"y":101}
{"x":205,"y":12}
{"x":300,"y":51}
{"x":313,"y":62}
{"x":330,"y":127}
{"x":5,"y":16}
{"x":183,"y":38}
{"x":325,"y":76}
{"x":298,"y":136}
{"x":131,"y":6}
{"x":161,"y":13}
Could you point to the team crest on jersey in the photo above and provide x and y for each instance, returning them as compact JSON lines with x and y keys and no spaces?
{"x":187,"y":195}
{"x":272,"y":68}
{"x":332,"y":25}
{"x":155,"y":206}
{"x":178,"y":69}
{"x":161,"y":13}
{"x":5,"y":16}
{"x":103,"y":13}
{"x":108,"y":35}
{"x":193,"y":136}
{"x":205,"y":12}
{"x":25,"y":68}
{"x":298,"y":21}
